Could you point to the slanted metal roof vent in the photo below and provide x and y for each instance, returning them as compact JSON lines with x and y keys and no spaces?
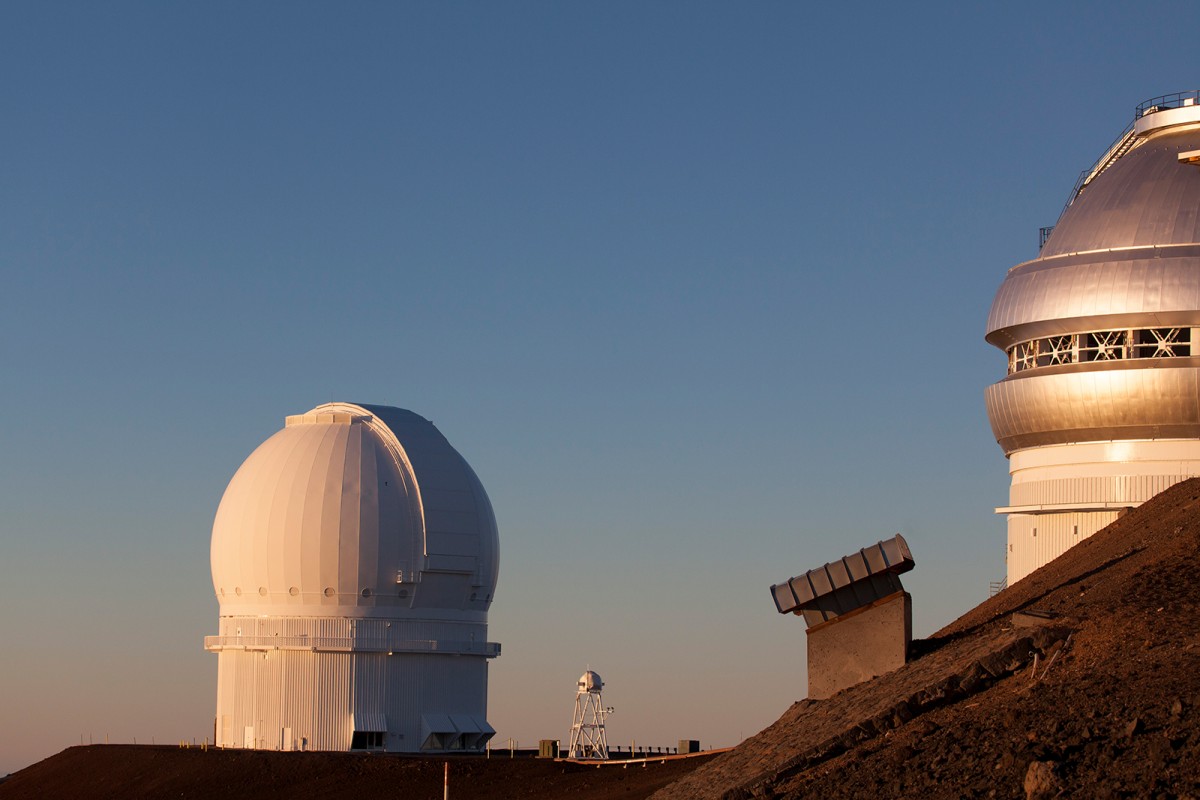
{"x":859,"y":617}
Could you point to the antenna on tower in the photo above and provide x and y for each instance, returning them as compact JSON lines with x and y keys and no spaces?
{"x":588,"y":739}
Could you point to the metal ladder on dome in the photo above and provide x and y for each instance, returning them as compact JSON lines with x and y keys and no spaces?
{"x":1124,"y":143}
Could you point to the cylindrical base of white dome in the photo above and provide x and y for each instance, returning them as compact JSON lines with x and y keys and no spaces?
{"x":313,"y":683}
{"x":1062,"y":494}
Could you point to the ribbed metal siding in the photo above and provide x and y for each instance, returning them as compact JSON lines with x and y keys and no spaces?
{"x":279,"y":689}
{"x":334,"y":627}
{"x":369,"y":692}
{"x":423,"y":684}
{"x":1055,"y":534}
{"x":1131,"y":489}
{"x":296,"y":682}
{"x":268,"y":700}
{"x":405,"y":700}
{"x":330,"y":698}
{"x":316,"y":694}
{"x":305,"y":677}
{"x":365,"y":634}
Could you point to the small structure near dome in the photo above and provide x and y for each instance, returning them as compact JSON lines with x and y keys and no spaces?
{"x":588,"y":739}
{"x":859,"y":616}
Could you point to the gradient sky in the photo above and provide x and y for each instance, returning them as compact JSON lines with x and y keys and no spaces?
{"x":698,"y":289}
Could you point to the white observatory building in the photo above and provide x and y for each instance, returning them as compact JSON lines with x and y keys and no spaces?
{"x":354,"y":557}
{"x":1100,"y":408}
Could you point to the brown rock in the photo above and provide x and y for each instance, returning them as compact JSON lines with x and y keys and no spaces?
{"x":1040,"y":780}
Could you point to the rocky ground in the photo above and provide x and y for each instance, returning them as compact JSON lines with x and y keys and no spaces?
{"x":120,"y":772}
{"x":1083,"y":680}
{"x":1110,"y":711}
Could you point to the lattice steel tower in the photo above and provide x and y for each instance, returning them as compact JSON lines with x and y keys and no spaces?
{"x":588,"y":739}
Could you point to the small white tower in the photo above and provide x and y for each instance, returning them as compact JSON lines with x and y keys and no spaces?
{"x":588,"y":739}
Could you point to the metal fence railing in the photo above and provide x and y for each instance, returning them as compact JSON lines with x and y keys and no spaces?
{"x":1166,"y":101}
{"x":347,"y":644}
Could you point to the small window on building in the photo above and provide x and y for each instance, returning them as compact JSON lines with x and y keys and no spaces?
{"x":367,"y":740}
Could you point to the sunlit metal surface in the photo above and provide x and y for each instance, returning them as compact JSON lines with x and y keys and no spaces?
{"x":1151,"y":117}
{"x":1101,"y":328}
{"x":1148,"y":206}
{"x":850,"y":582}
{"x":1148,"y":287}
{"x":1100,"y":408}
{"x":1089,"y":404}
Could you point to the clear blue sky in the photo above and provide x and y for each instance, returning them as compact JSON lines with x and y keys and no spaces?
{"x":698,"y":289}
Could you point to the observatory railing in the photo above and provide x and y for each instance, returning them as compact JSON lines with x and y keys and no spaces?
{"x":1044,"y":236}
{"x":1166,"y":101}
{"x":356,"y":644}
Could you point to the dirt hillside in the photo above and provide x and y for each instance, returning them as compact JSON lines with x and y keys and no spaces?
{"x":1082,"y":680}
{"x":1113,"y":627}
{"x":120,"y":772}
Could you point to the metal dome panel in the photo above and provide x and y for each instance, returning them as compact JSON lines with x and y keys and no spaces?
{"x":1146,"y":198}
{"x":1125,"y":402}
{"x":1097,"y":291}
{"x":355,"y":510}
{"x":1128,"y":246}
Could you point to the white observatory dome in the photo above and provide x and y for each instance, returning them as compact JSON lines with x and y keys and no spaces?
{"x":590,"y":682}
{"x":354,"y":510}
{"x":354,"y":557}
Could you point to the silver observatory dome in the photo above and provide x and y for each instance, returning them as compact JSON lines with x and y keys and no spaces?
{"x":1100,"y":407}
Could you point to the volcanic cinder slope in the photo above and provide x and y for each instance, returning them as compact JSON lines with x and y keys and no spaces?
{"x":121,"y":772}
{"x":1081,"y":680}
